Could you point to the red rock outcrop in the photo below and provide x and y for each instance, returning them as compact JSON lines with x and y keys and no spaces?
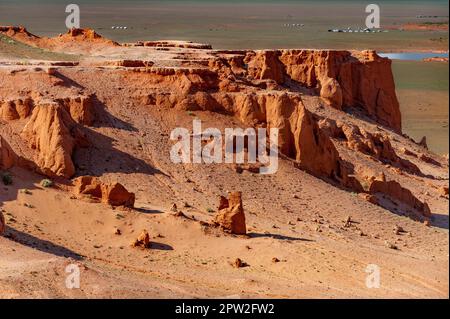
{"x":394,"y":191}
{"x":131,"y":63}
{"x":14,"y":109}
{"x":7,"y":155}
{"x":315,"y":151}
{"x":2,"y":224}
{"x":88,"y":185}
{"x":375,"y":145}
{"x":263,"y":65}
{"x":19,"y":33}
{"x":81,"y":108}
{"x":171,"y":44}
{"x":143,"y":240}
{"x":114,"y":194}
{"x":52,"y":132}
{"x":80,"y":37}
{"x":344,"y":79}
{"x":231,"y":215}
{"x":84,"y":35}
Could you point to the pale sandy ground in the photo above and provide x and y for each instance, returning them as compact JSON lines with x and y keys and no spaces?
{"x":425,"y":113}
{"x":319,"y":257}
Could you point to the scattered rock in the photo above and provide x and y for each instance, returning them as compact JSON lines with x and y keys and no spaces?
{"x":348,"y":221}
{"x":180,"y":214}
{"x":398,"y":230}
{"x":114,"y":194}
{"x":174,"y":208}
{"x":118,"y":232}
{"x":275,"y":260}
{"x":390,"y":245}
{"x":238,"y":263}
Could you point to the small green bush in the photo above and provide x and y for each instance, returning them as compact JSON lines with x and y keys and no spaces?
{"x":46,"y":183}
{"x":7,"y":179}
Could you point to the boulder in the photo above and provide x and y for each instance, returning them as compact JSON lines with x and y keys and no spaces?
{"x":88,"y":185}
{"x":114,"y":194}
{"x":143,"y":240}
{"x":231,"y":215}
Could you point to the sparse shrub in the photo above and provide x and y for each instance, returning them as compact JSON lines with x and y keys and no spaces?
{"x":46,"y":183}
{"x":7,"y":179}
{"x":210,"y":210}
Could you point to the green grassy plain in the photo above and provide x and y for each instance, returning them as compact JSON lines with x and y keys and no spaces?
{"x":423,"y":92}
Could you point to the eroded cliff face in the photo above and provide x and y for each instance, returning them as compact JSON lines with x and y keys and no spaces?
{"x":259,"y":88}
{"x":342,"y":78}
{"x":7,"y":155}
{"x":53,"y":133}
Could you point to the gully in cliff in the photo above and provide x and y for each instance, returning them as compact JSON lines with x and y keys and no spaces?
{"x":233,"y":142}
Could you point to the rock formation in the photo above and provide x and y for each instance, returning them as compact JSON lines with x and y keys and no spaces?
{"x":7,"y":155}
{"x":344,"y":79}
{"x":52,"y":132}
{"x":231,"y":215}
{"x":80,"y":107}
{"x":394,"y":191}
{"x":113,"y":194}
{"x":376,"y":145}
{"x":2,"y":224}
{"x":302,"y":93}
{"x":15,"y":109}
{"x":143,"y":240}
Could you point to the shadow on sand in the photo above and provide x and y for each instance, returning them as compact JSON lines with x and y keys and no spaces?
{"x":40,"y":244}
{"x":438,"y":220}
{"x":279,"y":237}
{"x":160,"y":246}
